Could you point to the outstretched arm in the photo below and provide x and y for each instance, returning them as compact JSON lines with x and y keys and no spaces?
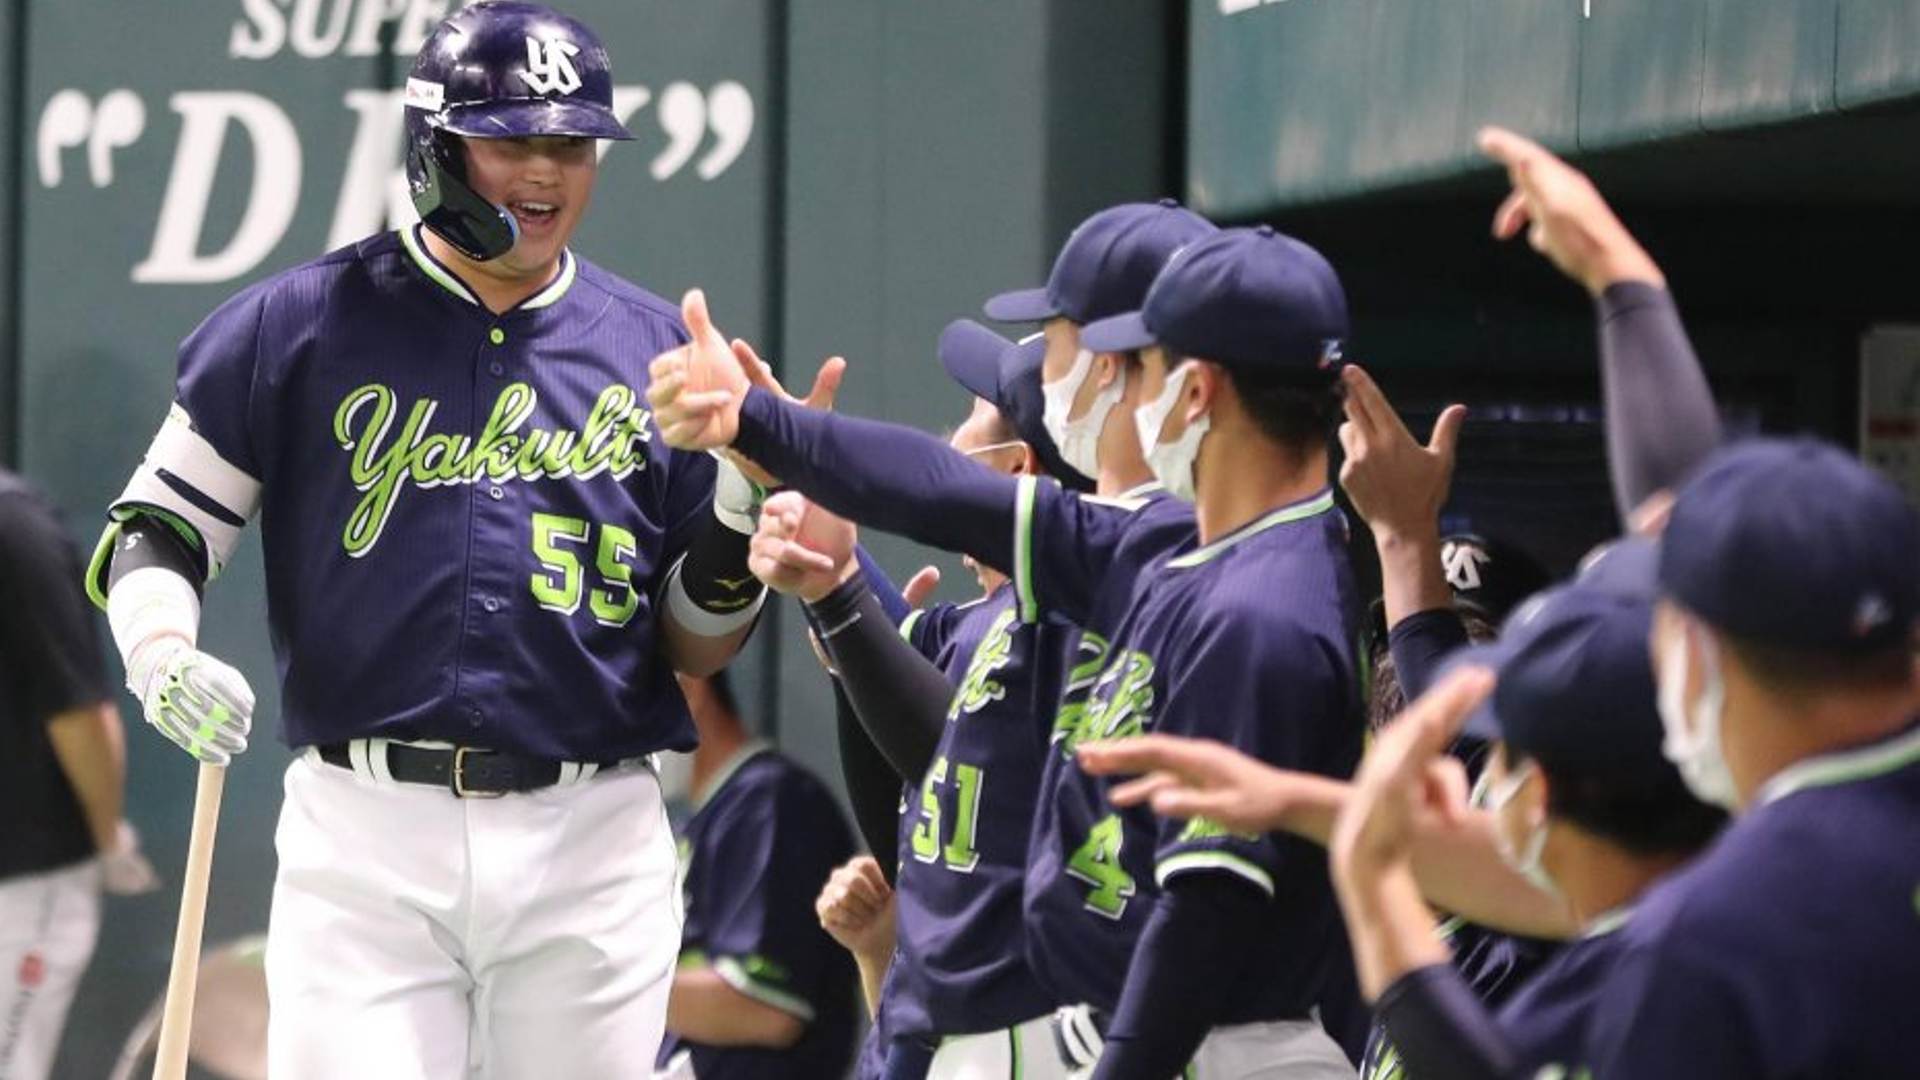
{"x":1661,"y":420}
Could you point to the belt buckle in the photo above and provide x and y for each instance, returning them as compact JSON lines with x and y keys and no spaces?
{"x":459,"y":777}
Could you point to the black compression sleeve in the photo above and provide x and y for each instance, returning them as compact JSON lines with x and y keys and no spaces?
{"x":900,"y":698}
{"x":1442,"y":1031}
{"x":1661,"y":420}
{"x":887,"y":476}
{"x":1420,"y":644}
{"x":146,"y":542}
{"x":873,"y":788}
{"x":1183,"y":976}
{"x":715,"y":572}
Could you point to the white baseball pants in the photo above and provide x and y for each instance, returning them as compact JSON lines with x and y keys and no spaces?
{"x":418,"y":936}
{"x":48,"y":923}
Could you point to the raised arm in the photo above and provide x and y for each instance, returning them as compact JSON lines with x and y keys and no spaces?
{"x":1661,"y":420}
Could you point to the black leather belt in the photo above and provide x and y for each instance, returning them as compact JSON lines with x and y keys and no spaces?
{"x":469,"y":772}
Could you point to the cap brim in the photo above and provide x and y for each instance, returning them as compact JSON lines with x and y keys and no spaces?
{"x":529,"y":117}
{"x":1629,"y":567}
{"x":1021,"y":305}
{"x":971,"y":354}
{"x":1122,"y":333}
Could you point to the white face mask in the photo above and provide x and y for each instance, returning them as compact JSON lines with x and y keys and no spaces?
{"x":1172,"y":463}
{"x":1692,"y":740}
{"x":1078,"y":440}
{"x":1526,"y":861}
{"x":676,"y":775}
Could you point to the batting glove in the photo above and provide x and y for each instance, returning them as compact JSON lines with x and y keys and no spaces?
{"x":203,"y":705}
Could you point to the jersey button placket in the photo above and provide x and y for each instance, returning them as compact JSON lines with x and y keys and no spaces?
{"x":498,"y":545}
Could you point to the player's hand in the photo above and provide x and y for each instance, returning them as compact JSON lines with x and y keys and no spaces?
{"x":856,"y":908}
{"x":1405,"y":781}
{"x":124,"y":869}
{"x":1188,"y":778}
{"x":1396,"y":484}
{"x":921,"y":586}
{"x":801,"y":549}
{"x":204,"y":706}
{"x":826,"y":387}
{"x":695,"y":390}
{"x":1565,"y":217}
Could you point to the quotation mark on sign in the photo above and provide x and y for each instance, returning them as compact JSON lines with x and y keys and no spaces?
{"x":70,"y":120}
{"x":686,"y":115}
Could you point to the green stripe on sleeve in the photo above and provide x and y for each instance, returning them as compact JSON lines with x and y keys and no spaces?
{"x":1024,"y":498}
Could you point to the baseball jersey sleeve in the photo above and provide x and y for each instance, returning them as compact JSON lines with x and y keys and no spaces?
{"x":928,"y":629}
{"x":762,"y":936}
{"x":1663,"y":1005}
{"x":1269,"y":690}
{"x":688,"y":501}
{"x":1063,"y":543}
{"x":46,"y":632}
{"x":202,"y":474}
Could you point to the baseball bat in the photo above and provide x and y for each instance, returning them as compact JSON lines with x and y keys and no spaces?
{"x":176,"y":1020}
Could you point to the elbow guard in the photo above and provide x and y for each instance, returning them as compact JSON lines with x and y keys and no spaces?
{"x":185,"y":484}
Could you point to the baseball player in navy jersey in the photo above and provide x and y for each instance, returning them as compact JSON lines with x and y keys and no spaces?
{"x":761,"y":991}
{"x":984,"y":684}
{"x":1240,"y":330}
{"x":483,"y":568}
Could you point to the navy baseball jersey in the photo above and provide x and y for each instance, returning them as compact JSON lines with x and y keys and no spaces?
{"x":1248,"y":640}
{"x":753,"y":857}
{"x":963,"y":838}
{"x":1494,"y":965}
{"x":1790,"y":949}
{"x":464,"y":515}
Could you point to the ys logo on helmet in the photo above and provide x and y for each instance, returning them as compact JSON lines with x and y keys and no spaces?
{"x":550,"y":66}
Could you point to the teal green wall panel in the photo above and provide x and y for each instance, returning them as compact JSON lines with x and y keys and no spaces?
{"x":1767,"y":62}
{"x":1879,"y":50}
{"x":1523,"y":69}
{"x":1411,"y":122}
{"x":1641,"y":66}
{"x":1274,"y":101}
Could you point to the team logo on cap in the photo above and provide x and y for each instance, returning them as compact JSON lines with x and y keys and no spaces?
{"x":1332,"y":353}
{"x":1462,"y":563}
{"x":550,"y":66}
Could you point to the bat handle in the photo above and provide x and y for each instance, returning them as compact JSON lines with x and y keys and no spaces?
{"x":176,"y":1020}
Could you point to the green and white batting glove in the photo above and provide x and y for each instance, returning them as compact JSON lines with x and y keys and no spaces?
{"x":204,"y":706}
{"x":736,"y":498}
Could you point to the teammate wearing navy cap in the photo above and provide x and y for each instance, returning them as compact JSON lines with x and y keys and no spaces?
{"x":1233,"y":932}
{"x":1104,"y":269}
{"x":963,"y":705}
{"x":1785,"y":648}
{"x":761,"y":992}
{"x":482,"y":568}
{"x":1584,"y":803}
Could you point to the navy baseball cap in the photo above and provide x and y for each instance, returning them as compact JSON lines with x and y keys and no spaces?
{"x":1575,"y":687}
{"x":1794,"y":543}
{"x":1107,"y":265}
{"x":1007,"y":375}
{"x":1246,"y":298}
{"x":1489,"y":576}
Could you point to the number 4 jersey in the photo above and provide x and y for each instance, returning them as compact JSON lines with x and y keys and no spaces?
{"x":1246,"y":640}
{"x":464,"y":515}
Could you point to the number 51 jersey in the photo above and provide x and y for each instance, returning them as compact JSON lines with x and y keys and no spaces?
{"x":465,"y":516}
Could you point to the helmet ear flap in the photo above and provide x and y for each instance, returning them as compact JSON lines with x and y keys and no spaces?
{"x":448,"y":205}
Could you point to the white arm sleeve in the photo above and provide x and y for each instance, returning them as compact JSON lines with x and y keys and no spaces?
{"x":184,"y":477}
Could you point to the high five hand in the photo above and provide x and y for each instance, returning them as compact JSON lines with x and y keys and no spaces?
{"x":696,"y":390}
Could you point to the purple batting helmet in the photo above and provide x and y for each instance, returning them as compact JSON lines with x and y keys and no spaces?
{"x":499,"y":69}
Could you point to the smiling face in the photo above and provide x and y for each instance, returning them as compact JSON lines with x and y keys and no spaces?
{"x":545,"y":182}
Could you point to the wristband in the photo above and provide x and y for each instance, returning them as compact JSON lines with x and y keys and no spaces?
{"x":736,"y":499}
